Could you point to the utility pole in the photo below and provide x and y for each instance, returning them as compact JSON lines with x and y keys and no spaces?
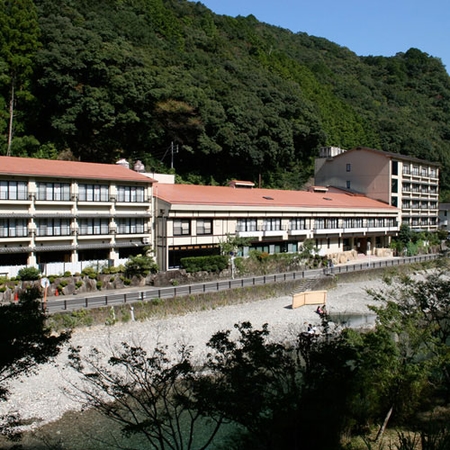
{"x":173,"y":150}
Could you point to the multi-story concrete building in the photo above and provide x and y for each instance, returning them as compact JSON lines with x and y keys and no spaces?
{"x":61,"y":211}
{"x":67,"y":212}
{"x":193,"y":220}
{"x":444,"y":216}
{"x":408,"y":183}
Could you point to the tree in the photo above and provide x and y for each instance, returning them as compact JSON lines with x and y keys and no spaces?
{"x":19,"y":41}
{"x":414,"y":316}
{"x":256,"y":384}
{"x":141,"y":265}
{"x":25,"y":343}
{"x":150,"y":396}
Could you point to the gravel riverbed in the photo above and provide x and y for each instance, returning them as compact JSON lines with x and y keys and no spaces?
{"x":40,"y":398}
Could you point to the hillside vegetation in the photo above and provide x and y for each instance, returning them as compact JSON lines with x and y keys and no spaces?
{"x":173,"y":84}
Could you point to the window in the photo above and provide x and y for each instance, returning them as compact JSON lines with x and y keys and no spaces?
{"x":326,"y":224}
{"x":130,"y":194}
{"x":298,"y":224}
{"x":13,"y":228}
{"x":53,"y":227}
{"x":394,"y":185}
{"x":348,"y":167}
{"x":394,"y":167}
{"x":130,"y":225}
{"x":272,"y":224}
{"x":181,"y":227}
{"x":93,"y":193}
{"x":348,"y":184}
{"x":53,"y":191}
{"x":246,"y":225}
{"x":204,"y":226}
{"x":394,"y":201}
{"x":94,"y":226}
{"x":13,"y":190}
{"x":356,"y":222}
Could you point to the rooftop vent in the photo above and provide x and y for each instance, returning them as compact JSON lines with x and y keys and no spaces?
{"x":236,"y":184}
{"x":318,"y":189}
{"x":139,"y":167}
{"x":124,"y":163}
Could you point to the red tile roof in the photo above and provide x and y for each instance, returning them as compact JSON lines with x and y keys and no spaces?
{"x":185,"y":194}
{"x":11,"y":165}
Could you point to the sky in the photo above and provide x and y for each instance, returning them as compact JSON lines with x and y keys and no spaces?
{"x":366,"y":27}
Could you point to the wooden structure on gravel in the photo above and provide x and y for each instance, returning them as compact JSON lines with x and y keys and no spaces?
{"x":309,"y":298}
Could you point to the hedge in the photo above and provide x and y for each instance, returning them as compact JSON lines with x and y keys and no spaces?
{"x":213,"y":263}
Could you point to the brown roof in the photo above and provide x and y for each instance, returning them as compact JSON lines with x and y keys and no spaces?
{"x":11,"y":165}
{"x":186,"y":194}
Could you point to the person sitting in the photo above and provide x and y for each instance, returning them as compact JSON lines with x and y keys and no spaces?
{"x":321,"y":310}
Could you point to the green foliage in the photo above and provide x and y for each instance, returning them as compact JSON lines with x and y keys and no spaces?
{"x":78,"y":284}
{"x":29,"y":274}
{"x":74,"y":319}
{"x":160,"y":401}
{"x":213,"y":263}
{"x":140,"y":265}
{"x":241,"y":99}
{"x":25,"y":341}
{"x":89,"y":272}
{"x":233,"y":245}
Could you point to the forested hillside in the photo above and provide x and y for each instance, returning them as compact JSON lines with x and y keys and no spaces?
{"x":105,"y":79}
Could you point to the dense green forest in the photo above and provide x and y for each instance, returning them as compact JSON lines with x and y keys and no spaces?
{"x":237,"y":98}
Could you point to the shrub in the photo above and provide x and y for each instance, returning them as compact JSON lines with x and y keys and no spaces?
{"x":29,"y":274}
{"x":67,"y":274}
{"x":99,"y":285}
{"x":213,"y":263}
{"x":78,"y":284}
{"x":140,"y":265}
{"x":89,"y":272}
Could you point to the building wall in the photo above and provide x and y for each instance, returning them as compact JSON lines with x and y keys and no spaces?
{"x":58,"y":220}
{"x":333,"y":231}
{"x":409,"y":184}
{"x":360,"y":171}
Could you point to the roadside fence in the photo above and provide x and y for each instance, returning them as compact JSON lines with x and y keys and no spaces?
{"x":144,"y":294}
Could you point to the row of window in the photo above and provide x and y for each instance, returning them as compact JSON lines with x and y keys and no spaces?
{"x":421,"y":221}
{"x":62,"y":227}
{"x":416,"y":170}
{"x":182,"y":227}
{"x":418,"y":188}
{"x":18,"y":190}
{"x":416,"y":204}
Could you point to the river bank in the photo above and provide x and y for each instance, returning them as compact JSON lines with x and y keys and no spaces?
{"x":41,"y":398}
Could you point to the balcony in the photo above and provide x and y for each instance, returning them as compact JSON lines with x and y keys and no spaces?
{"x":250,"y":234}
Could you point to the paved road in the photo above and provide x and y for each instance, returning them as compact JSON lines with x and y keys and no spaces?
{"x":143,"y":293}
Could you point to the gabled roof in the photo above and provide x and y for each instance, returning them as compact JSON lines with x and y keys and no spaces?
{"x":186,"y":194}
{"x":389,"y":155}
{"x":11,"y":165}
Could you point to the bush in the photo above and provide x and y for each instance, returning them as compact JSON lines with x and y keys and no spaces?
{"x":140,"y":265}
{"x":213,"y":263}
{"x":89,"y":272}
{"x":29,"y":274}
{"x":67,"y":274}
